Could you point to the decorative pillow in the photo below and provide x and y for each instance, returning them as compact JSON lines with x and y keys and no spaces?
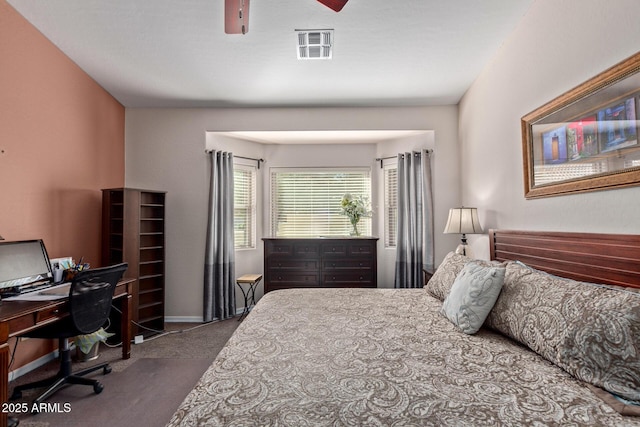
{"x":472,"y":296}
{"x":591,"y":331}
{"x":440,"y":283}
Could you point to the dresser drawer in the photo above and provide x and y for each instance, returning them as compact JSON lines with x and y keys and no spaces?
{"x":348,"y":278}
{"x":347,"y":264}
{"x":279,"y":248}
{"x":361,"y":248}
{"x":306,"y":250}
{"x":300,"y":279}
{"x":287,"y":264}
{"x":338,"y":249}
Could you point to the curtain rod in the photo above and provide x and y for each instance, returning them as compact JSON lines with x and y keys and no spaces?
{"x":241,"y":157}
{"x":415,"y":153}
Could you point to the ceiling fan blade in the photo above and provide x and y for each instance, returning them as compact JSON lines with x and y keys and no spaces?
{"x":336,"y":5}
{"x":236,"y":16}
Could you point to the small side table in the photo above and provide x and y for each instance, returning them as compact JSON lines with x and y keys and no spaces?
{"x":249,"y":293}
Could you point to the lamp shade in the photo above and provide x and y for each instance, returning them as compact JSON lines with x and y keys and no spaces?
{"x":463,"y":221}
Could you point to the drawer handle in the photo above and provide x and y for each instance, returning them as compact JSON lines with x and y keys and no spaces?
{"x":279,"y":277}
{"x":333,"y":249}
{"x":56,"y":311}
{"x":333,"y":278}
{"x":361,"y":277}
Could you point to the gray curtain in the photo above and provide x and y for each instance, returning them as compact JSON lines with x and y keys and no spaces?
{"x":414,"y":250}
{"x":219,"y":266}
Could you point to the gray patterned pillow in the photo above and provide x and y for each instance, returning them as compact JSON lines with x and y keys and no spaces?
{"x":472,"y":296}
{"x":591,"y":331}
{"x":440,"y":283}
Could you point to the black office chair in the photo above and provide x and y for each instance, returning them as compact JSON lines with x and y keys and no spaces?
{"x":90,"y":298}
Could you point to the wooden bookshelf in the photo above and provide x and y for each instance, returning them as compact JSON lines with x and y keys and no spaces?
{"x":133,"y":231}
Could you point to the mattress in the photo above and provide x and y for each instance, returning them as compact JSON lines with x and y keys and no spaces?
{"x":380,"y":357}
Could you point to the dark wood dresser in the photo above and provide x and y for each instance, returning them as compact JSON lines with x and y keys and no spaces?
{"x":344,"y":262}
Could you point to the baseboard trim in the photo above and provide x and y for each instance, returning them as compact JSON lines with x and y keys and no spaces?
{"x":183,"y":319}
{"x":25,"y":369}
{"x":194,"y":319}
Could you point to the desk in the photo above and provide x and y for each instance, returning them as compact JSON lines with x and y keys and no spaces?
{"x":19,"y":317}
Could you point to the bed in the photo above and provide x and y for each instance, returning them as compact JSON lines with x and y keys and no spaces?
{"x":549,"y":349}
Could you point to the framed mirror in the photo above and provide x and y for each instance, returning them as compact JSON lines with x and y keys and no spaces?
{"x":587,"y":138}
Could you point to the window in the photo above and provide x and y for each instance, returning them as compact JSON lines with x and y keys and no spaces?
{"x":306,"y":202}
{"x":244,"y":206}
{"x":390,"y":205}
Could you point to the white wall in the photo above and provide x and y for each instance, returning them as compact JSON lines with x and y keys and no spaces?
{"x":558,"y":45}
{"x":165,"y":151}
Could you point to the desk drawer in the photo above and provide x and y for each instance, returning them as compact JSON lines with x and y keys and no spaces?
{"x":38,"y":318}
{"x":51,"y":313}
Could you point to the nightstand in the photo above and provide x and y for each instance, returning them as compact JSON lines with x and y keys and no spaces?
{"x":249,"y":293}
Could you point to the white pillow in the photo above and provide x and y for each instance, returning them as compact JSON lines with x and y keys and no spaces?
{"x":473,"y":294}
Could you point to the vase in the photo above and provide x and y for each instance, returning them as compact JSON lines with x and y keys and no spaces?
{"x":355,"y":231}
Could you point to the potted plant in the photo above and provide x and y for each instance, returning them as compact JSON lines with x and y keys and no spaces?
{"x":355,"y":208}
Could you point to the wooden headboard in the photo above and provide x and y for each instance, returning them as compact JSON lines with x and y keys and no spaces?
{"x":599,"y":258}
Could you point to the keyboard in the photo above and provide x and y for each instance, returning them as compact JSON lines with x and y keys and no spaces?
{"x":45,"y":291}
{"x":60,"y":290}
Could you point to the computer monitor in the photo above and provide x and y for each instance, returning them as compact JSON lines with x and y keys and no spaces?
{"x":23,"y":262}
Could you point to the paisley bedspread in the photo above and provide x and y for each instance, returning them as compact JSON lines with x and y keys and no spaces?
{"x":380,"y":357}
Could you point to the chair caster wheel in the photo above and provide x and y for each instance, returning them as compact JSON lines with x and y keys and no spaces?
{"x":17,"y":394}
{"x":106,"y":370}
{"x":97,"y":388}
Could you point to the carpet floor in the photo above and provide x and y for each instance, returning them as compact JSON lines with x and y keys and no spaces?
{"x":142,"y":391}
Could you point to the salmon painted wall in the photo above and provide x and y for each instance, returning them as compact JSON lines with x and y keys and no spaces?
{"x":61,"y":142}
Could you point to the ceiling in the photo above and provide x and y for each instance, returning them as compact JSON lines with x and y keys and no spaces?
{"x":170,"y":53}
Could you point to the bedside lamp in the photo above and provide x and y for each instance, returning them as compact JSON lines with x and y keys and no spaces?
{"x":463,"y":221}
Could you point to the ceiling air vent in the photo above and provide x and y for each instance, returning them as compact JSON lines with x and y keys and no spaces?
{"x":314,"y":44}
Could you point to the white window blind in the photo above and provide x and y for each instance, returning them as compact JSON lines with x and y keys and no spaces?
{"x":306,"y":202}
{"x":390,"y":204}
{"x":244,"y":206}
